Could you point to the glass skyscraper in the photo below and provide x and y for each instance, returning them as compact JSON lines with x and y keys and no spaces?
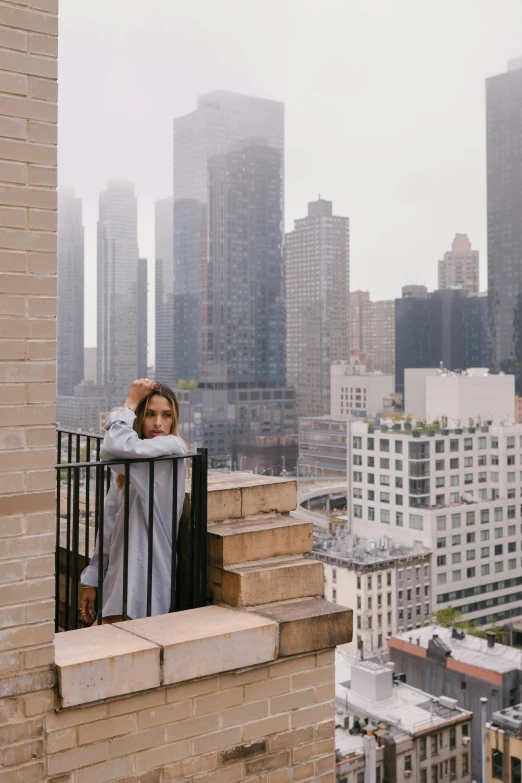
{"x":504,"y":187}
{"x":164,"y":318}
{"x":229,"y":303}
{"x":69,"y":320}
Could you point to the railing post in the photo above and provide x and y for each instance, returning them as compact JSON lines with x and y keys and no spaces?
{"x":203,"y":500}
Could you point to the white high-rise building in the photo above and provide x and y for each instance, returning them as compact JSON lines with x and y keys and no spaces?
{"x":317,"y":304}
{"x":118,"y":333}
{"x":458,"y":492}
{"x":69,"y":319}
{"x":460,"y":266}
{"x":357,"y":392}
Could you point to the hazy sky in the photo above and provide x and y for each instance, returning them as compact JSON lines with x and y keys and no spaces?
{"x":384,"y":112}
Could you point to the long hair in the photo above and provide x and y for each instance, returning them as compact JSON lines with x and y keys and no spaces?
{"x":162,"y":390}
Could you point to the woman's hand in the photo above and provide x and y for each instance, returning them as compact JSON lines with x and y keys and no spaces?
{"x":138,"y":391}
{"x":87,"y":610}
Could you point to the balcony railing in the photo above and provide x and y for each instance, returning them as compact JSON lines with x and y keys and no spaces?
{"x":82,"y":482}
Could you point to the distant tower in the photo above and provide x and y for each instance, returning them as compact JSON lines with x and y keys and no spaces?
{"x":118,"y":335}
{"x":69,"y":321}
{"x":164,"y":292}
{"x":317,"y":304}
{"x":504,"y":189}
{"x":460,"y":266}
{"x":142,"y":317}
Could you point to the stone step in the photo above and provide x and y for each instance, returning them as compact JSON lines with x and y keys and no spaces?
{"x":246,"y":540}
{"x":277,"y":579}
{"x":237,"y":495}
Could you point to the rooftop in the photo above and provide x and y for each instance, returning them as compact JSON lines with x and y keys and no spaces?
{"x":368,"y":551}
{"x":366,"y":689}
{"x":469,"y":649}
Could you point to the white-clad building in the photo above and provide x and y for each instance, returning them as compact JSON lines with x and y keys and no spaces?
{"x":457,"y":399}
{"x":388,"y":585}
{"x":458,"y":492}
{"x":355,"y":391}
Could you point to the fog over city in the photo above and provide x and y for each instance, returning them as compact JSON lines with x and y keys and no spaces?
{"x":384,"y":113}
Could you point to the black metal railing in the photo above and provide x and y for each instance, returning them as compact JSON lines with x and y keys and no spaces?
{"x":82,"y":482}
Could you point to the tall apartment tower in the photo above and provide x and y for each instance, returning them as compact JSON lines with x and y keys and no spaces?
{"x":317,"y":304}
{"x":69,"y":320}
{"x":142,"y":317}
{"x":229,"y":306}
{"x":164,"y":291}
{"x":118,"y":333}
{"x":460,"y":266}
{"x":372,"y":331}
{"x":504,"y":188}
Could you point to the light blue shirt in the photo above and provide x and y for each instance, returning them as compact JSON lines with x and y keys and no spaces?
{"x":121,"y":441}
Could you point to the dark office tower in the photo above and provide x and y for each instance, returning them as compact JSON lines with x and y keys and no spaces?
{"x":448,"y":326}
{"x":164,"y":255}
{"x":142,"y":317}
{"x":229,"y":307}
{"x":118,"y":340}
{"x":504,"y":183}
{"x":69,"y":321}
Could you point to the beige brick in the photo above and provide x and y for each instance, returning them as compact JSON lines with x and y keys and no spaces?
{"x":279,"y":579}
{"x":13,"y":83}
{"x":291,"y":739}
{"x":26,"y":682}
{"x":43,"y":610}
{"x":11,"y":526}
{"x":13,"y":39}
{"x":306,"y":752}
{"x":27,"y":108}
{"x":12,"y":172}
{"x":292,"y":701}
{"x":42,"y":175}
{"x":10,"y":662}
{"x":44,"y":219}
{"x":192,"y":728}
{"x":282,"y":776}
{"x":12,"y":305}
{"x":41,"y":479}
{"x":328,"y":778}
{"x":26,"y":415}
{"x":263,"y":728}
{"x":216,"y":741}
{"x":28,"y":284}
{"x":11,"y":128}
{"x":217,"y":701}
{"x":191,"y":689}
{"x":61,"y":740}
{"x":44,"y":89}
{"x":11,"y":572}
{"x":305,"y":717}
{"x":135,"y":703}
{"x":31,"y":773}
{"x":8,"y":709}
{"x":41,"y":306}
{"x":105,"y":729}
{"x":291,"y":665}
{"x":167,"y":714}
{"x":11,"y":616}
{"x":41,"y":349}
{"x":136,"y":742}
{"x":12,"y":638}
{"x":42,"y":656}
{"x":43,"y":133}
{"x":43,"y":44}
{"x":28,"y":20}
{"x":41,"y":436}
{"x":325,"y":658}
{"x":42,"y":264}
{"x":35,"y":524}
{"x":266,"y":689}
{"x":14,"y":327}
{"x":303,"y":771}
{"x":155,"y":757}
{"x":38,"y":703}
{"x":244,"y":714}
{"x":325,"y":764}
{"x":21,"y":754}
{"x":196,"y":765}
{"x":42,"y":392}
{"x":62,"y":720}
{"x":101,"y":773}
{"x":268,"y":763}
{"x":21,"y":196}
{"x":27,"y":545}
{"x":26,"y":460}
{"x":13,"y":261}
{"x":18,"y":732}
{"x":234,"y":679}
{"x":13,"y":217}
{"x":10,"y":394}
{"x":26,"y":372}
{"x":228,"y":775}
{"x":12,"y":350}
{"x":324,"y":730}
{"x":325,"y":692}
{"x":326,"y":674}
{"x":77,"y":758}
{"x":11,"y":482}
{"x":46,"y":5}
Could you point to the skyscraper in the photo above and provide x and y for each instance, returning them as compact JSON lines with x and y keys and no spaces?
{"x":317,"y":295}
{"x":69,"y":320}
{"x":372,"y":331}
{"x":504,"y":187}
{"x":164,"y":292}
{"x":118,"y":336}
{"x":229,"y":307}
{"x":460,"y":266}
{"x":142,"y":317}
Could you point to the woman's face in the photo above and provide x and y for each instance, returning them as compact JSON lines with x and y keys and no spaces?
{"x":158,"y":417}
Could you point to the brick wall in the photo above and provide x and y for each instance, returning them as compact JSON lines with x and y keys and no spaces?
{"x":28,"y":116}
{"x":269,"y":724}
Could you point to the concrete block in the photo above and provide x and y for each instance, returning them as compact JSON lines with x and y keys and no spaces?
{"x":242,"y":494}
{"x":310,"y":624}
{"x":278,"y":579}
{"x":208,"y":640}
{"x":103,"y":661}
{"x":246,"y":540}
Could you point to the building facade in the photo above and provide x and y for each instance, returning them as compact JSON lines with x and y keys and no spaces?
{"x":449,"y":662}
{"x":143,"y":309}
{"x":388,"y":585}
{"x":504,"y":746}
{"x":322,"y":446}
{"x":448,"y":327}
{"x":372,"y":331}
{"x":229,"y":306}
{"x":70,"y":281}
{"x":81,"y":410}
{"x":357,"y":392}
{"x":164,"y":290}
{"x":317,"y":304}
{"x":459,"y":268}
{"x":456,"y":491}
{"x":504,"y":190}
{"x":118,"y":298}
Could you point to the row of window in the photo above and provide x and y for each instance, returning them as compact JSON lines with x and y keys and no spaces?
{"x":454,"y":463}
{"x":469,"y":443}
{"x":485,"y":570}
{"x":401,"y":573}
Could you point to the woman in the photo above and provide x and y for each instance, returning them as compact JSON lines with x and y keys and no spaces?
{"x":146,"y":426}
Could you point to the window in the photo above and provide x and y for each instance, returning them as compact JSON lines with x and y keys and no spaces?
{"x":441,"y":579}
{"x":484,"y":535}
{"x":379,"y":580}
{"x":424,"y":776}
{"x":385,"y":497}
{"x":494,"y":459}
{"x":407,"y":763}
{"x":398,"y":464}
{"x":384,"y":481}
{"x":416,"y":522}
{"x":454,"y":481}
{"x":435,"y":773}
{"x":358,"y":583}
{"x":468,"y":478}
{"x":369,"y":603}
{"x":512,"y":546}
{"x":482,"y":477}
{"x":510,"y":442}
{"x":384,"y":444}
{"x":359,"y":602}
{"x":439,"y":465}
{"x":398,"y":446}
{"x":453,"y":738}
{"x":470,"y":573}
{"x":384,"y":463}
{"x":369,"y":582}
{"x":499,"y":549}
{"x":357,"y":442}
{"x":357,"y":511}
{"x":465,"y":763}
{"x":494,"y":443}
{"x":371,"y":494}
{"x":398,"y":519}
{"x":465,"y":729}
{"x":470,"y":538}
{"x":398,"y":500}
{"x":441,"y":543}
{"x":456,"y":576}
{"x":512,"y":563}
{"x":434,"y":745}
{"x":357,"y":492}
{"x":511,"y":512}
{"x":441,"y":523}
{"x":484,"y":516}
{"x":484,"y":551}
{"x":468,"y":444}
{"x":371,"y":462}
{"x":398,"y":482}
{"x":360,"y":777}
{"x":455,"y":520}
{"x":385,"y":516}
{"x":423,"y":748}
{"x":511,"y":459}
{"x":441,"y":560}
{"x":454,"y":445}
{"x":371,"y":478}
{"x":484,"y":569}
{"x":482,"y":443}
{"x":455,"y":540}
{"x":511,"y":530}
{"x":439,"y":447}
{"x":357,"y":475}
{"x":388,"y":578}
{"x":498,"y":532}
{"x":482,"y":460}
{"x":455,"y":557}
{"x":357,"y":459}
{"x":334,"y":596}
{"x":499,"y":567}
{"x":454,"y":463}
{"x":371,"y":513}
{"x":371,"y":444}
{"x":463,"y":685}
{"x":468,"y":462}
{"x":498,"y":515}
{"x":453,"y":768}
{"x":516,"y":770}
{"x":497,"y":764}
{"x":470,"y":518}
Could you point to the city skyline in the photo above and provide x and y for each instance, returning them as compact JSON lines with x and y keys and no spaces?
{"x":374,"y":165}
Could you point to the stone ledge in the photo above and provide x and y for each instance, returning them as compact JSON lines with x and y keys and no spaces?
{"x":238,"y":495}
{"x":309,"y":624}
{"x":268,"y":581}
{"x":235,"y":542}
